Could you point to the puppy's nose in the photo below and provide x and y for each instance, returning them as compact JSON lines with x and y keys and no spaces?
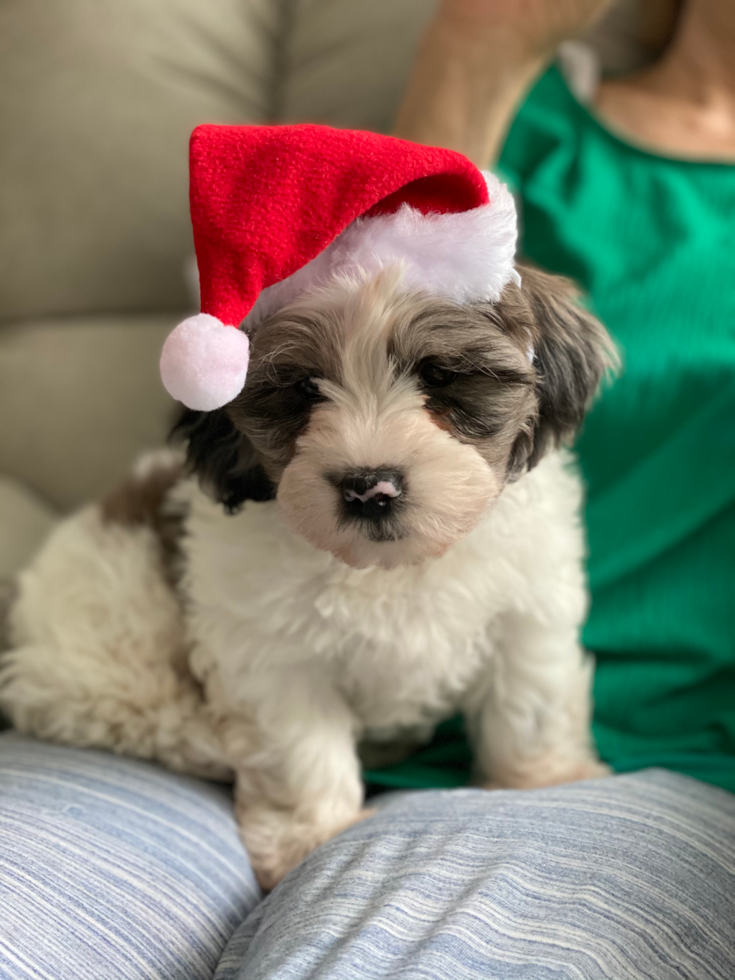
{"x":371,"y":494}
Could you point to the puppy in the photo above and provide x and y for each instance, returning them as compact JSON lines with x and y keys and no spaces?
{"x":378,"y":532}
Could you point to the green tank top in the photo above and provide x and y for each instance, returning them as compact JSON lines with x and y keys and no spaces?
{"x":651,"y":240}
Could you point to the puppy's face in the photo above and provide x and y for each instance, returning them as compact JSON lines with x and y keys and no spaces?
{"x":388,"y":422}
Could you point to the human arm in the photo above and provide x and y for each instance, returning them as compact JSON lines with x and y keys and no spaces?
{"x":475,"y":62}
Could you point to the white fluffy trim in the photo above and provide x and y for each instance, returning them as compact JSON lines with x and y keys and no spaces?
{"x":204,"y":363}
{"x":466,"y":257}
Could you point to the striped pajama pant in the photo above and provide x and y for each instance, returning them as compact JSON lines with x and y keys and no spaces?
{"x":112,"y":869}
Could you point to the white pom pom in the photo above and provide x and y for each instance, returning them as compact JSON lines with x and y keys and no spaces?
{"x":204,"y":363}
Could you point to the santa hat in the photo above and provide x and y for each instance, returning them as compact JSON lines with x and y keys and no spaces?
{"x":278,"y":210}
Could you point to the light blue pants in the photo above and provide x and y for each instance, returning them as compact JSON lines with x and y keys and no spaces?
{"x":112,"y":869}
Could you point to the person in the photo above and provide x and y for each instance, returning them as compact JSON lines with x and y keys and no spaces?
{"x":632,"y":193}
{"x":620,"y":878}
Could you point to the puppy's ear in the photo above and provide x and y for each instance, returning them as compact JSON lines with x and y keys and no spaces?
{"x":223,"y":458}
{"x":571,"y":353}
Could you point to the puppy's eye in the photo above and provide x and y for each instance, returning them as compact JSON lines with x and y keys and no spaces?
{"x":308,"y":389}
{"x":434,"y":375}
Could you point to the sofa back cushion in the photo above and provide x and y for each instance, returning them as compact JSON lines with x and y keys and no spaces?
{"x":346,"y":62}
{"x":97,"y":100}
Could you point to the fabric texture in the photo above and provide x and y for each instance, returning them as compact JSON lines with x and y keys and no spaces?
{"x":85,"y":399}
{"x":113,"y":869}
{"x":658,"y":450}
{"x":622,"y":878}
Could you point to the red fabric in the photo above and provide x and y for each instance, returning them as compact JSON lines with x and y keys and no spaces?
{"x":265,"y":200}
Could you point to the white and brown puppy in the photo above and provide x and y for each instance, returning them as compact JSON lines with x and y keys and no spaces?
{"x":386,"y":534}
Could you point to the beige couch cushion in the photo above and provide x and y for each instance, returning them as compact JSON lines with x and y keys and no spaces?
{"x":345,"y":62}
{"x":80,"y":399}
{"x":25,"y":520}
{"x":97,"y":101}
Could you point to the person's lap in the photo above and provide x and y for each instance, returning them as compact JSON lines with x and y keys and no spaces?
{"x":112,"y":868}
{"x":628,"y":877}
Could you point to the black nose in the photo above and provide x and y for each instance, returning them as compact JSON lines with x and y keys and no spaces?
{"x":371,"y":494}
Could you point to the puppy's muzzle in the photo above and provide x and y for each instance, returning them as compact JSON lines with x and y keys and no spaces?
{"x":371,"y":495}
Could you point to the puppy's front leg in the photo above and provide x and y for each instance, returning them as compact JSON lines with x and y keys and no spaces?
{"x":299,"y":784}
{"x":531,"y":720}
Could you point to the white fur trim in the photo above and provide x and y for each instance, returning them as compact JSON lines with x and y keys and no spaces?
{"x":467,"y":256}
{"x":204,"y":362}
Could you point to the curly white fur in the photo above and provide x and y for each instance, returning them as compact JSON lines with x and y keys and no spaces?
{"x":300,"y":654}
{"x":278,"y":651}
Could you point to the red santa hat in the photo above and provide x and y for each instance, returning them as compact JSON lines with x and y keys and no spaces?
{"x":277,"y":210}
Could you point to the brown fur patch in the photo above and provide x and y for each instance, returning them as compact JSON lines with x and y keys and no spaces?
{"x":492,"y":397}
{"x":290,"y":347}
{"x":143,"y":501}
{"x":572,"y":353}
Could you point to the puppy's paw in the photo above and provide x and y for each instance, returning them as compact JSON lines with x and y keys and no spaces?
{"x":548,"y":770}
{"x":589,"y":769}
{"x":278,"y":840}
